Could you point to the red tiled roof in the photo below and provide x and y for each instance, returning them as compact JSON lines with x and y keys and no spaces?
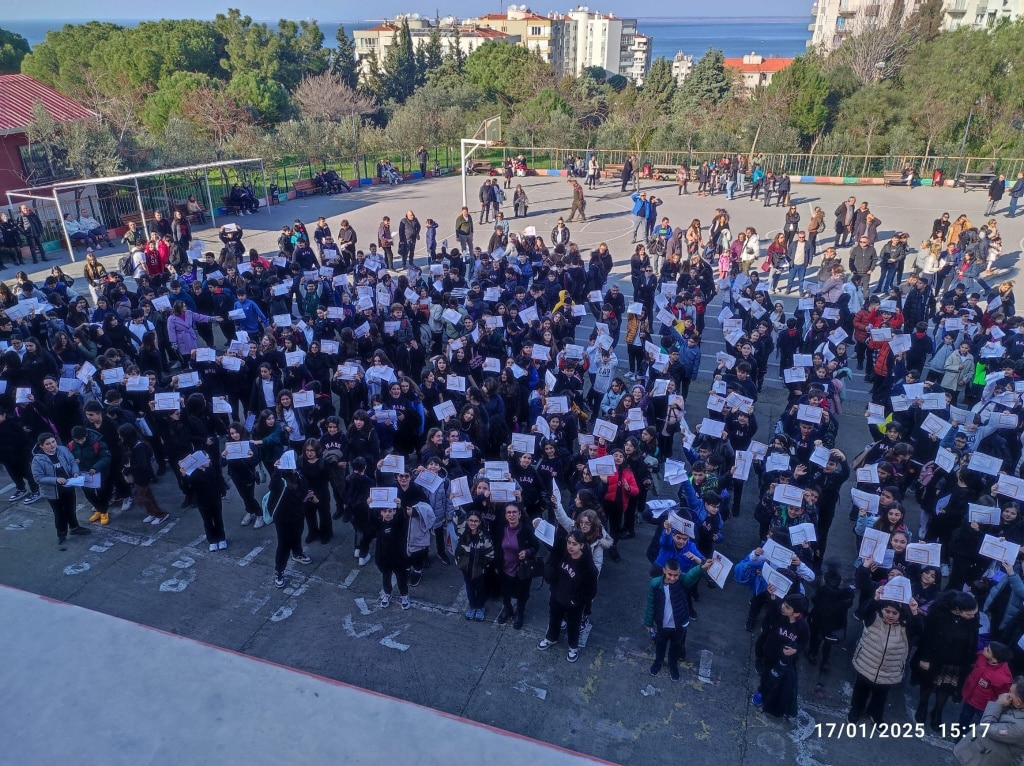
{"x":383,"y":28}
{"x":486,"y":32}
{"x":767,"y":65}
{"x":19,"y":92}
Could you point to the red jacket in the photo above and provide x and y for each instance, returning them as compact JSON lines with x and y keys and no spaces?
{"x":629,"y":486}
{"x":986,"y":682}
{"x":862,"y":320}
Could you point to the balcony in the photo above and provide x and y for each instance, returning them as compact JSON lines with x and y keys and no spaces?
{"x":872,"y":11}
{"x":959,"y":8}
{"x":847,"y":8}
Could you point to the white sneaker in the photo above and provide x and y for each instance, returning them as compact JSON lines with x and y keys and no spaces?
{"x":356,"y":553}
{"x":127,"y":504}
{"x":213,"y":546}
{"x":31,"y":498}
{"x":384,"y":601}
{"x":222,"y":545}
{"x":148,"y":520}
{"x":159,"y":520}
{"x":405,"y":602}
{"x":259,"y":523}
{"x":248,"y":519}
{"x":364,"y":560}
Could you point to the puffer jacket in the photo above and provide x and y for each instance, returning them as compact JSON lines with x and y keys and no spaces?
{"x":881,"y":654}
{"x":474,"y":553}
{"x":44,"y":472}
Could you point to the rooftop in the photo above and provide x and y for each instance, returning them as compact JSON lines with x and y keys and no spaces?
{"x":18,"y":94}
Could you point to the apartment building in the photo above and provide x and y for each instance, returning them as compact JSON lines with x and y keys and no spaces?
{"x":835,"y":20}
{"x":979,"y":13}
{"x":682,"y":65}
{"x":755,"y":70}
{"x":379,"y":38}
{"x":541,"y":34}
{"x":594,"y":39}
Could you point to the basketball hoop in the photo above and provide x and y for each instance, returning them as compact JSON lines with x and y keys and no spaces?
{"x":486,"y":136}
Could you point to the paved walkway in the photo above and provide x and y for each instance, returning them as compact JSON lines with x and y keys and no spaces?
{"x":87,"y":688}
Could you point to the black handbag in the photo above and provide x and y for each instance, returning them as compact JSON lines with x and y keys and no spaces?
{"x":530,"y":568}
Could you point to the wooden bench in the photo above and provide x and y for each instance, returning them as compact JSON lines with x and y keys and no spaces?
{"x":182,"y":207}
{"x":229,"y":206}
{"x":974,"y":180}
{"x":136,"y":218}
{"x":306,"y":186}
{"x":895,"y":178}
{"x":480,"y":166}
{"x":609,"y":171}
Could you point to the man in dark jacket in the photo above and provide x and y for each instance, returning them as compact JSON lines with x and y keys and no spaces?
{"x":31,"y":232}
{"x":627,"y":172}
{"x":917,"y":306}
{"x":863,"y":260}
{"x":1016,"y":192}
{"x":995,"y":194}
{"x":408,"y":235}
{"x":667,"y":614}
{"x":844,"y":221}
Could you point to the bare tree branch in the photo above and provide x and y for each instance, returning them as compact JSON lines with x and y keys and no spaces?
{"x":327,"y":97}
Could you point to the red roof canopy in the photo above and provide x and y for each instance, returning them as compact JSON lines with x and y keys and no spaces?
{"x":19,"y":92}
{"x":767,"y":65}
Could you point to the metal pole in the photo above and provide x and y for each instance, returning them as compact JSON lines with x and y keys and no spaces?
{"x":462,"y":171}
{"x":963,"y":143}
{"x":142,"y":210}
{"x":266,"y":191}
{"x":209,"y":197}
{"x":60,"y":215}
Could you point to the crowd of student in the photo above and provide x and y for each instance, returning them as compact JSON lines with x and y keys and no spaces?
{"x":459,"y":410}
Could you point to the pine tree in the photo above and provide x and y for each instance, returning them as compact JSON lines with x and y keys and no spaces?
{"x":344,"y":60}
{"x":707,"y":84}
{"x":399,"y":76}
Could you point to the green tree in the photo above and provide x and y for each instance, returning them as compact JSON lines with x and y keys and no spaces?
{"x":708,"y":84}
{"x":343,"y":62}
{"x":164,"y":103}
{"x":13,"y":49}
{"x":809,"y":99}
{"x":455,"y":55}
{"x":304,"y":53}
{"x":659,"y":86}
{"x":398,"y":76}
{"x":264,"y":98}
{"x":61,"y":59}
{"x":508,"y":72}
{"x":433,"y":51}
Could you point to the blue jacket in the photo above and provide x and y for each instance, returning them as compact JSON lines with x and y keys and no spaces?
{"x":640,"y":206}
{"x":748,"y":572}
{"x":690,"y":359}
{"x":254,"y":316}
{"x":668,"y":550}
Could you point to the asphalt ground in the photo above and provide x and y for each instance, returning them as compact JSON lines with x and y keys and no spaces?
{"x":326,"y":620}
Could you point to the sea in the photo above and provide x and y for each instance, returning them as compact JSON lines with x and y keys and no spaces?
{"x":783,"y":37}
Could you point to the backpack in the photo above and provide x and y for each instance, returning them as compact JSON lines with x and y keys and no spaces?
{"x":125,"y":265}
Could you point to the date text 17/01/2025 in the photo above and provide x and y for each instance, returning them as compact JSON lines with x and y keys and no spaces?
{"x":896,"y":730}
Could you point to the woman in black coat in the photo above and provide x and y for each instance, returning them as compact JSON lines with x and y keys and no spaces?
{"x":827,"y":620}
{"x":946,"y":654}
{"x":514,"y":543}
{"x":287,"y":493}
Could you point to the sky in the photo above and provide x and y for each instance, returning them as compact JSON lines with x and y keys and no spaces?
{"x":346,"y":11}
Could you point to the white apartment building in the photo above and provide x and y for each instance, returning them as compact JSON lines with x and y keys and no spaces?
{"x":979,"y":13}
{"x":834,"y":20}
{"x":595,"y":39}
{"x":541,"y":34}
{"x":381,"y":37}
{"x":682,"y":65}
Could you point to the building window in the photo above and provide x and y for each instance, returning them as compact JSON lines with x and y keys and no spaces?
{"x":42,"y":164}
{"x":535,"y":32}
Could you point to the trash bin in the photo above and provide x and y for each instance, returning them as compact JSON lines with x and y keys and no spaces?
{"x":937,"y":177}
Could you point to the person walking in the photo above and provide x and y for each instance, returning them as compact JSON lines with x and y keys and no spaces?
{"x":627,"y":172}
{"x":52,"y":467}
{"x":31,"y":229}
{"x":486,"y":197}
{"x":138,"y":472}
{"x":579,"y":204}
{"x":1016,"y":192}
{"x":572,"y":576}
{"x":996,"y":189}
{"x":464,"y":230}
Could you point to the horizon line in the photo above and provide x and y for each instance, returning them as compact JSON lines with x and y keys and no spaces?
{"x":762,"y":19}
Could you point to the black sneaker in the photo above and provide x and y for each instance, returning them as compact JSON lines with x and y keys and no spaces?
{"x":444,"y":557}
{"x":504,"y":615}
{"x":655,"y":668}
{"x":518,"y":623}
{"x":673,"y":672}
{"x":415,"y":577}
{"x":81,"y":531}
